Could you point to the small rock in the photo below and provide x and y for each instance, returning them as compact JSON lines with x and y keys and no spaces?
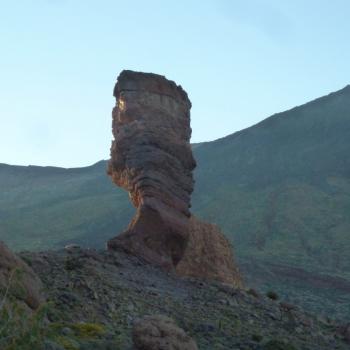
{"x":253,"y":293}
{"x":298,"y":330}
{"x":206,"y":327}
{"x":130,"y":307}
{"x":71,"y":247}
{"x":50,"y":345}
{"x":160,"y":332}
{"x":129,"y":319}
{"x":344,"y":332}
{"x":232,"y":302}
{"x":97,"y":345}
{"x":67,"y":298}
{"x":287,"y":307}
{"x":66,"y":331}
{"x":321,"y":319}
{"x":273,"y":316}
{"x":306,"y":321}
{"x":347,"y":334}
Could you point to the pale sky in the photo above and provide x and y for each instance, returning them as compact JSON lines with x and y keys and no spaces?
{"x":240,"y":61}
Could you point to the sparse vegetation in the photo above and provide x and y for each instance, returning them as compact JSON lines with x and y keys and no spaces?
{"x":20,"y":328}
{"x":98,"y":312}
{"x":278,"y":345}
{"x":25,"y":329}
{"x":88,"y":330}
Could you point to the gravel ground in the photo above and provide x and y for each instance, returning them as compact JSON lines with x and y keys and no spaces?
{"x":114,"y":289}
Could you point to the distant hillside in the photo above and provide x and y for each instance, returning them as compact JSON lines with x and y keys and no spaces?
{"x":280,"y":189}
{"x":44,"y":207}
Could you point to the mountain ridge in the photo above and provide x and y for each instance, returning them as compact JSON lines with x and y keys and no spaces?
{"x":345,"y":89}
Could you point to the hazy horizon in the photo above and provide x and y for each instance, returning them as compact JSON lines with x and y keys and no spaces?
{"x":240,"y":62}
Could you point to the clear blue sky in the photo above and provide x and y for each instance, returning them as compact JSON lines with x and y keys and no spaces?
{"x":239,"y":60}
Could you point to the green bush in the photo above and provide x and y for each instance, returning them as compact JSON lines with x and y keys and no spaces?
{"x":257,"y":337}
{"x":272,"y":295}
{"x":88,"y":330}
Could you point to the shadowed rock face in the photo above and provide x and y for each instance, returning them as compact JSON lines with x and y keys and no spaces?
{"x":208,"y":254}
{"x":151,"y":158}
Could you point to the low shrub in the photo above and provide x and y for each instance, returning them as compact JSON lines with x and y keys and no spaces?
{"x":272,"y":295}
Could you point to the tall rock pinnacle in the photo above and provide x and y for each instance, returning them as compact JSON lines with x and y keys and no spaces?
{"x":151,"y":158}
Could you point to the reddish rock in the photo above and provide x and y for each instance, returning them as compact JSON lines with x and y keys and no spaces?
{"x":208,"y":255}
{"x":151,"y":158}
{"x":160,"y":332}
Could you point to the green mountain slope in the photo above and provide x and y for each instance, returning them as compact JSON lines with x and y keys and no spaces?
{"x":280,"y":189}
{"x":44,"y":207}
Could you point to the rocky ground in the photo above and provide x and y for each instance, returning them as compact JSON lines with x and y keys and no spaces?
{"x":111,"y":290}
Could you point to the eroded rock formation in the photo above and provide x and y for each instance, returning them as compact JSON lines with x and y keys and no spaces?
{"x":208,"y":254}
{"x":151,"y":158}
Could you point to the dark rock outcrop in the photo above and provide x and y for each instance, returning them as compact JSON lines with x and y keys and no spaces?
{"x":151,"y":158}
{"x":344,"y":332}
{"x":18,"y":280}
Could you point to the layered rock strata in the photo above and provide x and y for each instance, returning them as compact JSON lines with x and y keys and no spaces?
{"x":151,"y":158}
